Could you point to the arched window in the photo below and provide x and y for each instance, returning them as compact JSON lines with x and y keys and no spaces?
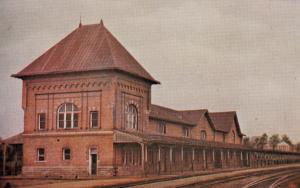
{"x":233,"y":136}
{"x":132,"y":117}
{"x":67,"y":116}
{"x":203,"y":135}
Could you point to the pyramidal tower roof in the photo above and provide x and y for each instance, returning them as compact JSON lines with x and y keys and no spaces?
{"x":87,"y":48}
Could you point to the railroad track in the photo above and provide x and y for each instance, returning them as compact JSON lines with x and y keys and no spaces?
{"x":274,"y":180}
{"x":270,"y":181}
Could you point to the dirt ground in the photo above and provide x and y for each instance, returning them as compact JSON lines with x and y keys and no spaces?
{"x":42,"y":183}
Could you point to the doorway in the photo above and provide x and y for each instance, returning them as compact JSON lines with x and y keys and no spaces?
{"x":93,"y":161}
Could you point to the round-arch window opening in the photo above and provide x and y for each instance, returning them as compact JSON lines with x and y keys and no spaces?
{"x":132,"y":117}
{"x":68,"y":116}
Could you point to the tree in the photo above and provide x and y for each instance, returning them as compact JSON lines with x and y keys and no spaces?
{"x":274,"y":140}
{"x":263,"y":140}
{"x":246,"y":141}
{"x":256,"y":142}
{"x":286,"y":139}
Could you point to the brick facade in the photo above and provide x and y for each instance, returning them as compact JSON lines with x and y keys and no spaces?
{"x":123,"y":142}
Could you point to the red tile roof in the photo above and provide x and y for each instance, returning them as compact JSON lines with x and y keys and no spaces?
{"x":16,"y":139}
{"x":87,"y":48}
{"x":189,"y":117}
{"x":223,"y":121}
{"x":194,"y":115}
{"x":219,"y":121}
{"x":167,"y":114}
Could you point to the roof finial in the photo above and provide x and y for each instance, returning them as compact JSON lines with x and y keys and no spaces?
{"x":80,"y":24}
{"x":101,"y":23}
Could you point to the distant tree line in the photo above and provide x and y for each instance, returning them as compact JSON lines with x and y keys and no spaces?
{"x":260,"y":142}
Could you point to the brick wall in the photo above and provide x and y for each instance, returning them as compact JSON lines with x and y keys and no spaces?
{"x":79,"y":144}
{"x":89,"y":92}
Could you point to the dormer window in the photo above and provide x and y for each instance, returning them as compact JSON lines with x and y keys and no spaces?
{"x":68,"y":116}
{"x":186,"y":131}
{"x":132,"y":117}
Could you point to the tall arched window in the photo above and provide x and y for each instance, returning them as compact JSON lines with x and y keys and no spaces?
{"x":233,"y":136}
{"x":132,"y":117}
{"x":203,"y":135}
{"x":67,"y":116}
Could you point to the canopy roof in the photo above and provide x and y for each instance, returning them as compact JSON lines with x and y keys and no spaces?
{"x":15,"y":139}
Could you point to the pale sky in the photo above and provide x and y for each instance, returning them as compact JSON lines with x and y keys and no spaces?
{"x":218,"y":55}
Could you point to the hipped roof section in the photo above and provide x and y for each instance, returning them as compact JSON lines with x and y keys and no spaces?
{"x":87,"y":48}
{"x":219,"y":121}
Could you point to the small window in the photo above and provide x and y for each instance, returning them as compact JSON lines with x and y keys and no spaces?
{"x":162,"y":128}
{"x":94,"y":119}
{"x":203,"y":135}
{"x":66,"y":154}
{"x":42,"y":120}
{"x":186,"y":131}
{"x":224,"y":138}
{"x":40,"y":154}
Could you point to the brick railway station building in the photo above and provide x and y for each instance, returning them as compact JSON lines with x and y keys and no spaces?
{"x":88,"y":113}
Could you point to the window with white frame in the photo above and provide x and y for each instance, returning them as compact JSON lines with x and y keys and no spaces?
{"x":68,"y":116}
{"x":132,"y":117}
{"x":186,"y":131}
{"x":94,"y":119}
{"x":66,"y":154}
{"x":42,"y":121}
{"x":40,"y":154}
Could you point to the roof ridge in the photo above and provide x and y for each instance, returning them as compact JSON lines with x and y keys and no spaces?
{"x":112,"y":40}
{"x":222,"y":112}
{"x":166,"y":107}
{"x":194,"y":110}
{"x":57,"y":44}
{"x":179,"y":110}
{"x":109,"y":43}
